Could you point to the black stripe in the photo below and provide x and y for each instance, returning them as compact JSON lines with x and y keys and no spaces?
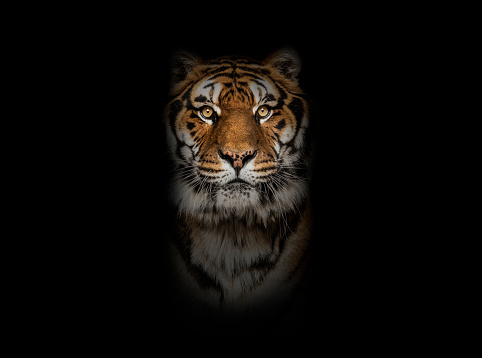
{"x":210,"y":170}
{"x":255,"y":77}
{"x":200,"y":146}
{"x":263,"y":169}
{"x":280,"y":124}
{"x":275,"y":152}
{"x":217,"y":70}
{"x":221,"y":60}
{"x":296,"y":107}
{"x":187,"y":97}
{"x":263,"y":265}
{"x":260,"y":84}
{"x":184,"y":246}
{"x":276,"y":134}
{"x":224,"y":74}
{"x":200,"y":98}
{"x":247,"y":61}
{"x":249,"y":69}
{"x":283,"y":96}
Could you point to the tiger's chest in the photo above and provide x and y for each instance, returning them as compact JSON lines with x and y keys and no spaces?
{"x":234,"y":266}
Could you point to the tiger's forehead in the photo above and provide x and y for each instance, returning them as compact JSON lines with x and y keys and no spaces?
{"x":234,"y":85}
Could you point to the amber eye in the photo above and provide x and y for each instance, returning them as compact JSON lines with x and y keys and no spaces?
{"x":207,"y":112}
{"x":263,"y":112}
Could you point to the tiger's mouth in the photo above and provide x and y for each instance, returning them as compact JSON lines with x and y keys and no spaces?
{"x":238,"y":185}
{"x":238,"y":182}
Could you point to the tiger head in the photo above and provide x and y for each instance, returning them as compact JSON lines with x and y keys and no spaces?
{"x":236,"y":136}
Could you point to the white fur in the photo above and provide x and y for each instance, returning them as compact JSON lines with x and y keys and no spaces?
{"x":260,"y":93}
{"x":211,"y":91}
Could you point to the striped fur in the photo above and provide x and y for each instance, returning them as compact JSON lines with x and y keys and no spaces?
{"x":243,"y":232}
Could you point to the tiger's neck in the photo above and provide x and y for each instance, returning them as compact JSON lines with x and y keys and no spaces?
{"x":234,"y":257}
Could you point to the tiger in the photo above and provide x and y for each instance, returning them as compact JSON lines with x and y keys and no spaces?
{"x":237,"y":139}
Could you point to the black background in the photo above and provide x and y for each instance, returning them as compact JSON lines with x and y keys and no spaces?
{"x":357,"y":187}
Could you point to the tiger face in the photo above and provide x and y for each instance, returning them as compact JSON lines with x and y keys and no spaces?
{"x":236,"y":136}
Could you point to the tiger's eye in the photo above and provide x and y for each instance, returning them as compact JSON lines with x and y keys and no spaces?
{"x":263,"y":111}
{"x":207,"y":112}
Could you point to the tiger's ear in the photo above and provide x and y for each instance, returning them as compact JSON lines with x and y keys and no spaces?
{"x":182,"y":64}
{"x":287,"y":62}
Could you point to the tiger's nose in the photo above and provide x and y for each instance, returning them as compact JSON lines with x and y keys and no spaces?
{"x":237,"y":160}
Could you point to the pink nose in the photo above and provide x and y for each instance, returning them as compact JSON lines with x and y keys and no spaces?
{"x":237,"y":160}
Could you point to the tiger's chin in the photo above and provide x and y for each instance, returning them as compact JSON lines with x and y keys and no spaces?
{"x":234,"y":200}
{"x":237,"y":195}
